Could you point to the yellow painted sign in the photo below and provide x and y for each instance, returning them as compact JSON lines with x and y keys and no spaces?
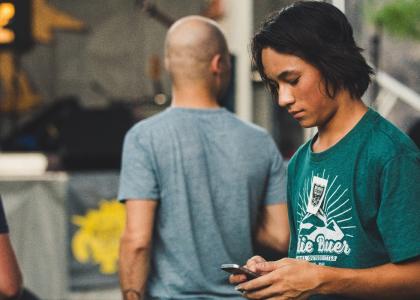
{"x":97,"y":240}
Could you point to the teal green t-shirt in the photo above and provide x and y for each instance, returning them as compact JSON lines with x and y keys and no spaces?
{"x":357,"y":204}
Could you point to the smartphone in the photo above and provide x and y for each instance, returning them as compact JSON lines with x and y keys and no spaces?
{"x":237,"y":269}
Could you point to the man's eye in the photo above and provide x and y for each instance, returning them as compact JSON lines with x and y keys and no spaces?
{"x":294,"y":81}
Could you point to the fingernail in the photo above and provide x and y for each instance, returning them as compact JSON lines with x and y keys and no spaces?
{"x":239,"y":288}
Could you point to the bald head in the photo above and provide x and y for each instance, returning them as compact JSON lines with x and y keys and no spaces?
{"x":191,"y":43}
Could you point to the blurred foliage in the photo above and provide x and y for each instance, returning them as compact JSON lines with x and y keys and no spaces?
{"x":399,"y":17}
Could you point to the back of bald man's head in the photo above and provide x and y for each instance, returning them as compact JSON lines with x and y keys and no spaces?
{"x":190,"y":45}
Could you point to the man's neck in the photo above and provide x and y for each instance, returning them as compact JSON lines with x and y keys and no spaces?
{"x":342,"y":122}
{"x":194,"y":98}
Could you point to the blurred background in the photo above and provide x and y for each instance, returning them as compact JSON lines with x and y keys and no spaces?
{"x":75,"y":75}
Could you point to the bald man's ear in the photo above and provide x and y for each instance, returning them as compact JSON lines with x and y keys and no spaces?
{"x":166,"y":62}
{"x":216,"y":65}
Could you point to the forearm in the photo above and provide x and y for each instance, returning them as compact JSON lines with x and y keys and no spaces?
{"x":10,"y":284}
{"x":389,"y":281}
{"x":273,"y":230}
{"x":275,"y":240}
{"x":10,"y":275}
{"x":133,"y":270}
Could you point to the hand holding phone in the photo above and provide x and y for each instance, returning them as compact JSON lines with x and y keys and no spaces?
{"x":237,"y":269}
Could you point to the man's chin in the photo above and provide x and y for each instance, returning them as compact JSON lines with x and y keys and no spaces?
{"x":306,"y":124}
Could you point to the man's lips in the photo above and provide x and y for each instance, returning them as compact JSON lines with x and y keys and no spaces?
{"x":296,"y":113}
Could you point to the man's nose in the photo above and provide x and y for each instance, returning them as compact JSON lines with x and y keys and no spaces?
{"x":285,"y":96}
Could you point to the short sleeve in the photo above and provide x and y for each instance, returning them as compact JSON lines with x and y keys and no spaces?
{"x":277,"y":182}
{"x":137,"y":177}
{"x":399,"y":212}
{"x":3,"y":223}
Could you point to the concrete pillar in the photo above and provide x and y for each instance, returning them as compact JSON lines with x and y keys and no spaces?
{"x":238,"y":27}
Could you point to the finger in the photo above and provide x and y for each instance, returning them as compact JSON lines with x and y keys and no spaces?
{"x":270,"y":292}
{"x":253,"y":261}
{"x":269,"y":266}
{"x":288,"y":260}
{"x":254,"y":284}
{"x":256,"y":258}
{"x":236,"y":279}
{"x":265,"y":267}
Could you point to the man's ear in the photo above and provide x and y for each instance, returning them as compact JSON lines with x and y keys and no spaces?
{"x":216,"y":64}
{"x":166,"y":62}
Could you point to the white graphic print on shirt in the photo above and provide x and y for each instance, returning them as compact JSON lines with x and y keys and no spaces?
{"x":317,"y":194}
{"x":324,"y":236}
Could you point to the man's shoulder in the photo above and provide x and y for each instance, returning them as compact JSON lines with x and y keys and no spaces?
{"x":253,"y":128}
{"x":247,"y":126}
{"x":150,"y":123}
{"x":233,"y":126}
{"x":390,"y":140}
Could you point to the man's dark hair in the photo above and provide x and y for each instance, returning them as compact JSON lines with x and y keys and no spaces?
{"x":320,"y":34}
{"x":414,"y":133}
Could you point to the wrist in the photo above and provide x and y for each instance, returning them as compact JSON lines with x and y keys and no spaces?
{"x":131,"y":294}
{"x":334,"y":280}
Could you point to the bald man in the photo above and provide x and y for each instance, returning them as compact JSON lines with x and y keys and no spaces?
{"x":198,"y":184}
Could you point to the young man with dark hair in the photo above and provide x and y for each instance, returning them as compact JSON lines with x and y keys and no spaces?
{"x":353,"y":189}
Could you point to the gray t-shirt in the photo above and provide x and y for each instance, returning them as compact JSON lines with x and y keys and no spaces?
{"x":211,"y":173}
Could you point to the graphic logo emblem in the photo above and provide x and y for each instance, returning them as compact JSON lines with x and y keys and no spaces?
{"x":317,"y":193}
{"x":325,"y":222}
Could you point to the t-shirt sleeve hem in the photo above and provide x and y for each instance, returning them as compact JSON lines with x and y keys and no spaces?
{"x":276,"y":197}
{"x":123,"y":198}
{"x":279,"y":201}
{"x":405,"y":255}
